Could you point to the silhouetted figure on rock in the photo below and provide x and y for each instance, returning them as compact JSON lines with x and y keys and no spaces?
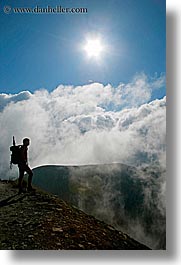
{"x":23,"y":166}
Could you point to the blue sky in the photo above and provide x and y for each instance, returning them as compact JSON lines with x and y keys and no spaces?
{"x":44,"y":50}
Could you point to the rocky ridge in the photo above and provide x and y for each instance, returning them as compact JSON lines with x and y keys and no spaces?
{"x":43,"y":221}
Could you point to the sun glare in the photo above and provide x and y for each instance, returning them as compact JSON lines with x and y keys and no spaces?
{"x":93,"y":48}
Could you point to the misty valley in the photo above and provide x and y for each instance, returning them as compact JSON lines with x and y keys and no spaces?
{"x":129,"y":198}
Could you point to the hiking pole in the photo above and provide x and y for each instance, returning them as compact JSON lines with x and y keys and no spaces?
{"x":14,"y":144}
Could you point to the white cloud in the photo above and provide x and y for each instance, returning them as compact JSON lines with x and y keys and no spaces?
{"x":6,"y":99}
{"x":86,"y":124}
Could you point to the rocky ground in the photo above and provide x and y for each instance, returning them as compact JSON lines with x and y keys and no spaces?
{"x":42,"y":221}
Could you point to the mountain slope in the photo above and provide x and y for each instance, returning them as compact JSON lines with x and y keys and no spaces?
{"x":130,"y":199}
{"x":42,"y":221}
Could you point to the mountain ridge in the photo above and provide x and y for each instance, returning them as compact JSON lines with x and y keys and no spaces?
{"x":43,"y":221}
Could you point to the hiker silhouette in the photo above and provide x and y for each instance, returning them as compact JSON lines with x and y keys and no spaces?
{"x":23,"y":166}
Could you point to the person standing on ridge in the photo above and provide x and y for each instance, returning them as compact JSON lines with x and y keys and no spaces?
{"x":23,"y":166}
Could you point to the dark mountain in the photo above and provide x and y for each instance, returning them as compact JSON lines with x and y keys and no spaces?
{"x":129,"y":198}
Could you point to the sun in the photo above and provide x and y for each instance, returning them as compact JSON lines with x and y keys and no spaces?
{"x":94,"y":48}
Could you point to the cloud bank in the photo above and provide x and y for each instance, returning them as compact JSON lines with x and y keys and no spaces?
{"x":97,"y":124}
{"x":88,"y":124}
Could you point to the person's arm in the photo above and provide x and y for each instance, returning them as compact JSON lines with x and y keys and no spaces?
{"x":23,"y":154}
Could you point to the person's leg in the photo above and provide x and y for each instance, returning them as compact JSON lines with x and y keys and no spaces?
{"x":30,"y":176}
{"x":20,"y":180}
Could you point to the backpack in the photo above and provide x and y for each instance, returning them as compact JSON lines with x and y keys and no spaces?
{"x":16,"y":153}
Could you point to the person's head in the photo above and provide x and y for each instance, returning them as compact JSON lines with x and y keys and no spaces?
{"x":26,"y":141}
